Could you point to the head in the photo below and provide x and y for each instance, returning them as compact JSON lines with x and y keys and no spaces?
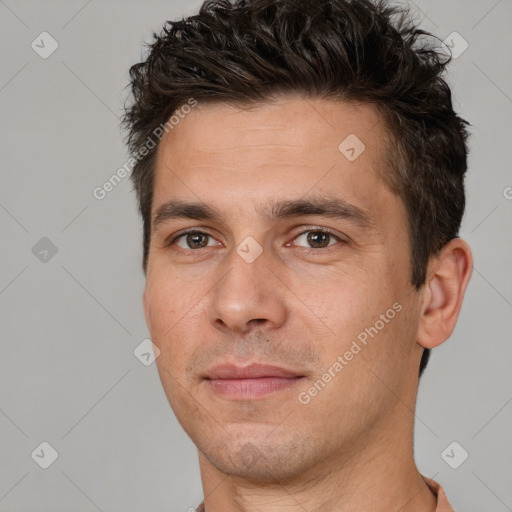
{"x":289,"y":115}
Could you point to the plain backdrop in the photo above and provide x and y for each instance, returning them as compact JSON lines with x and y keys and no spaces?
{"x":71,"y":280}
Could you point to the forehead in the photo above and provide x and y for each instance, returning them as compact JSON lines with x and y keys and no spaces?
{"x":291,"y":147}
{"x":303,"y":124}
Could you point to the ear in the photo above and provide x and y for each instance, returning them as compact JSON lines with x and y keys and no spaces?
{"x":448,"y":275}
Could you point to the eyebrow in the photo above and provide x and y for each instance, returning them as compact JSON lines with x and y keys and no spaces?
{"x":326,"y":207}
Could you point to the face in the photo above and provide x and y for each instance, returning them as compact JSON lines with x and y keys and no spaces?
{"x":295,"y":256}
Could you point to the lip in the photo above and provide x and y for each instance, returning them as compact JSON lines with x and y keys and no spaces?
{"x":250,"y":382}
{"x":251,"y":371}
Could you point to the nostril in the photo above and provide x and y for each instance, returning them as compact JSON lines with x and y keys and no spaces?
{"x":258,"y":321}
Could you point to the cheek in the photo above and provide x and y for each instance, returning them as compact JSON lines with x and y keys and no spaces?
{"x":169,"y":297}
{"x":161,"y":309}
{"x":170,"y":316}
{"x":365,"y":313}
{"x":348,"y":300}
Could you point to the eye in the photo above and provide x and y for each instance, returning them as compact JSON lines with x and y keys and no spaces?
{"x":193,"y":240}
{"x":318,"y":238}
{"x":314,"y":239}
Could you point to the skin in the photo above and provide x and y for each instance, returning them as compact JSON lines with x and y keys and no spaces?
{"x":351,"y":447}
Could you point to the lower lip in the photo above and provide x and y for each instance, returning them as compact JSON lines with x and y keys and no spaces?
{"x":249,"y":389}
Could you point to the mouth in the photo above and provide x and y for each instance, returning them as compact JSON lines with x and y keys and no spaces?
{"x":250,"y":382}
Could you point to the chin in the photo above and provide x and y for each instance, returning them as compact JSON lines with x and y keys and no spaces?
{"x":260,"y":461}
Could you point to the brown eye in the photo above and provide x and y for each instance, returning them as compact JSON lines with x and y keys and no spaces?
{"x":318,"y":239}
{"x":193,"y":240}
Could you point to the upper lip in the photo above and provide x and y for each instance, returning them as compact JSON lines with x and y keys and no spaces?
{"x":251,"y":371}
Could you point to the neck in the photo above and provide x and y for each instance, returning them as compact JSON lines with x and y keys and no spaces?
{"x":377,"y":473}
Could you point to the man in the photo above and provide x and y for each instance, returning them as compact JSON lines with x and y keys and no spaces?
{"x":299,"y":170}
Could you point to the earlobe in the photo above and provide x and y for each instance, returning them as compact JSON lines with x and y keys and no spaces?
{"x":447,"y":278}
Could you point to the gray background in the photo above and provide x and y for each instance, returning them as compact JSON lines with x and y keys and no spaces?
{"x":71,"y":320}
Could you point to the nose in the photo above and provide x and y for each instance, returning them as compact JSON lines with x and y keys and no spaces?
{"x":249,"y":296}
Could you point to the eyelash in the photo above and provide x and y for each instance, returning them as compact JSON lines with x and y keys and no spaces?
{"x":304,"y":249}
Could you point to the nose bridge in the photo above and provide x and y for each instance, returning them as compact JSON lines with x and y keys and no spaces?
{"x":248,"y":294}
